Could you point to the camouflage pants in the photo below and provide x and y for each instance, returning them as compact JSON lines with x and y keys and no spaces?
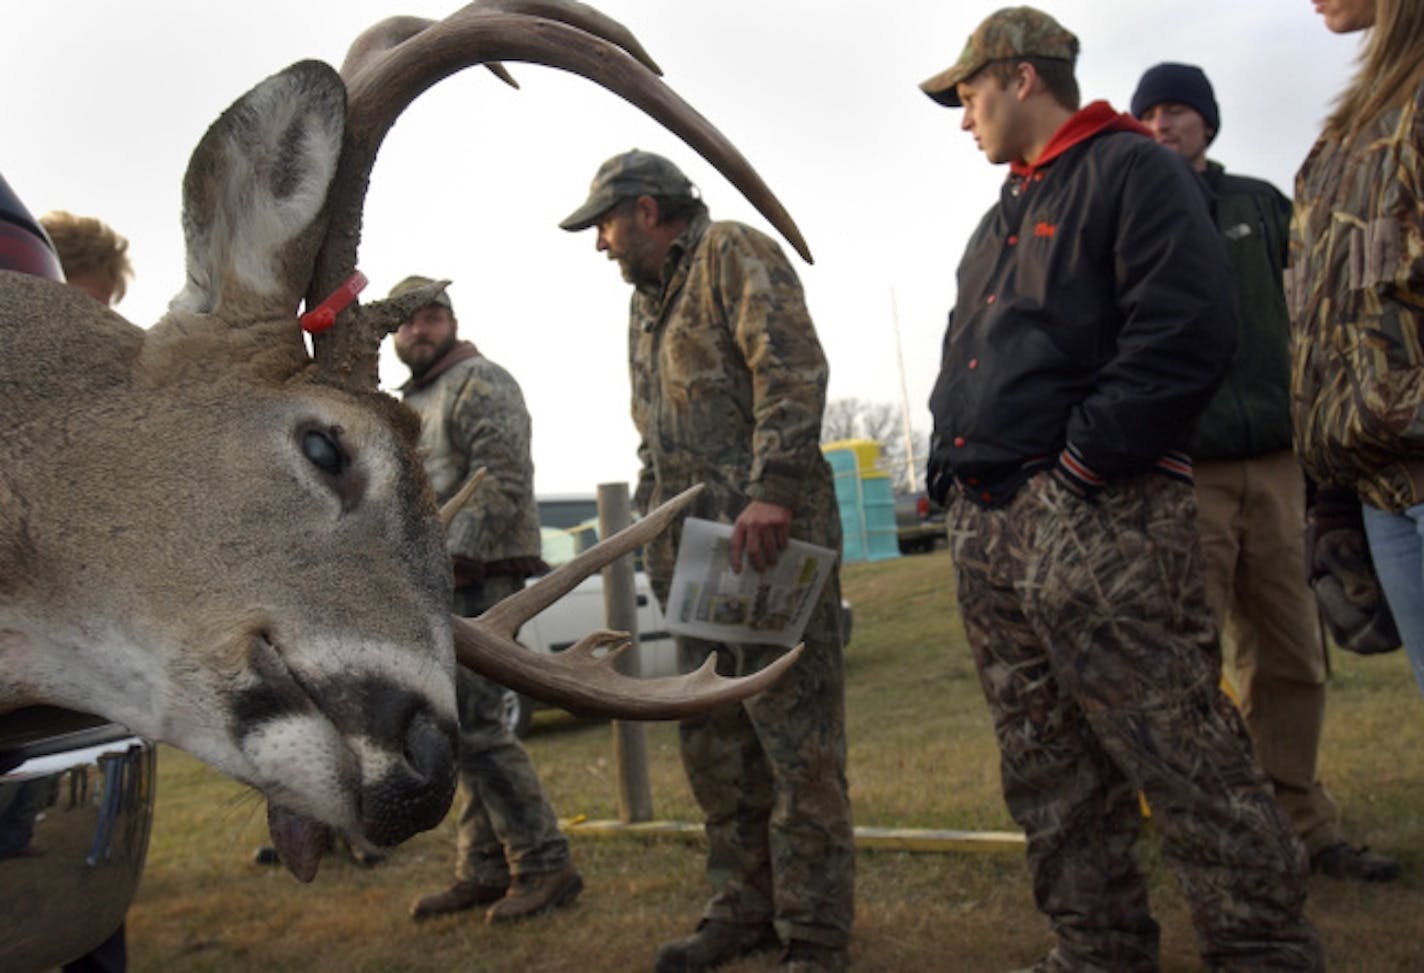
{"x":506,"y":825}
{"x":769,"y":775}
{"x":1097,"y":654}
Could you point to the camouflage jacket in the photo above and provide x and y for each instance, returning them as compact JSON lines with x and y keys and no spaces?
{"x":472,"y":414}
{"x":729,"y":386}
{"x":1356,"y":293}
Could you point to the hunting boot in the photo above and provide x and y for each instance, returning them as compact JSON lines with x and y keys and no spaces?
{"x":715,"y":942}
{"x":533,"y":895}
{"x":464,"y":894}
{"x":1341,"y":860}
{"x":804,"y":957}
{"x":1053,"y":962}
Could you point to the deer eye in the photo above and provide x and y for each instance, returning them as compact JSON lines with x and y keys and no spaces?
{"x":323,"y":449}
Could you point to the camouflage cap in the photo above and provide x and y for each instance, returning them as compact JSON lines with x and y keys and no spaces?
{"x":414,"y":281}
{"x":627,"y":176}
{"x":1007,"y":33}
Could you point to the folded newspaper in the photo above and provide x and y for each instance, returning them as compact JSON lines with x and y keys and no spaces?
{"x":709,"y":601}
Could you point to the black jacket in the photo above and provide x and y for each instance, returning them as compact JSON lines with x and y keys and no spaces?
{"x":1250,"y":413}
{"x":1093,"y":319}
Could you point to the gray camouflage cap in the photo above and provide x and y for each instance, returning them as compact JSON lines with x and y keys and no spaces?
{"x":628,"y":176}
{"x":414,"y":281}
{"x":1007,"y":33}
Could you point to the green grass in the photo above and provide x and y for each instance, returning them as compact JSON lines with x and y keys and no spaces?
{"x":921,"y":756}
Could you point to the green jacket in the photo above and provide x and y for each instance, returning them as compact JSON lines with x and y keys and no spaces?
{"x":1250,"y":413}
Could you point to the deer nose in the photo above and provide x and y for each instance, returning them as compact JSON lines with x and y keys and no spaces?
{"x":429,"y":751}
{"x":415,"y":792}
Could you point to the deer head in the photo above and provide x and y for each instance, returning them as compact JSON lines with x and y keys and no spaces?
{"x":229,"y":545}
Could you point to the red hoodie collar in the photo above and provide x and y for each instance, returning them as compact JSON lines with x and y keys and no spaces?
{"x":1090,"y":120}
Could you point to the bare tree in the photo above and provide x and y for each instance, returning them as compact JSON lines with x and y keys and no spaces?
{"x":881,"y":421}
{"x":840,"y":420}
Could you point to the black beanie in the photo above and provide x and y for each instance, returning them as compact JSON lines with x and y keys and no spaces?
{"x":1184,"y":84}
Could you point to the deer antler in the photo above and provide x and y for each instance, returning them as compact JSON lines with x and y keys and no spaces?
{"x":583,"y":679}
{"x":451,"y":507}
{"x":391,"y":65}
{"x":381,"y":37}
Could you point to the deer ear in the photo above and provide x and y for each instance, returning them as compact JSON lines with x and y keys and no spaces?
{"x":254,"y":196}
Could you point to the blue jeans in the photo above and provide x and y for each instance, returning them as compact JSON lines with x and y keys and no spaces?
{"x":1397,"y":546}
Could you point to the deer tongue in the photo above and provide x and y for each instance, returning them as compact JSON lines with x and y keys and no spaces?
{"x":300,"y":841}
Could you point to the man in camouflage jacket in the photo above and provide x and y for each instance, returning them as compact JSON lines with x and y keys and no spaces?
{"x":729,"y":384}
{"x":510,"y":854}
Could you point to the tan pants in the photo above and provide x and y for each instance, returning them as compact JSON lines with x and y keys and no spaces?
{"x":1251,"y":517}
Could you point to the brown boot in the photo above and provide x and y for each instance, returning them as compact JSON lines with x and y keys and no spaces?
{"x":533,"y":895}
{"x":803,"y":957}
{"x":715,"y":942}
{"x":464,"y":894}
{"x":1341,"y":860}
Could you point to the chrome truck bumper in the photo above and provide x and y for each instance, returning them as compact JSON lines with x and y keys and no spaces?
{"x":76,"y":805}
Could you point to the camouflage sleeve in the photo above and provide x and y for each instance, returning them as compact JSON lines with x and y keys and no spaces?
{"x":1279,"y":212}
{"x":647,"y":482}
{"x":490,"y":426}
{"x":1392,"y":279}
{"x":766,"y":308}
{"x":643,"y":491}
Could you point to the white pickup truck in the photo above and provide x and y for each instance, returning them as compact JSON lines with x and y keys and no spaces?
{"x":569,"y":524}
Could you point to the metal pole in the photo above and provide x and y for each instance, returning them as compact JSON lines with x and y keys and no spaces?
{"x":911,"y":477}
{"x":620,"y":610}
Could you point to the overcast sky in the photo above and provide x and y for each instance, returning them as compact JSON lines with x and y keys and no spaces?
{"x":103,"y":102}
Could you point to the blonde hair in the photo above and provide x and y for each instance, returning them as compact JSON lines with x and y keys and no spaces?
{"x":90,"y":248}
{"x":1391,"y":65}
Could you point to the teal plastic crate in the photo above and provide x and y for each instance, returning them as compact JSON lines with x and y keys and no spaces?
{"x":866,"y":501}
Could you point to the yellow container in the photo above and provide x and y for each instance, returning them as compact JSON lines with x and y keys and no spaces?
{"x":867,"y":454}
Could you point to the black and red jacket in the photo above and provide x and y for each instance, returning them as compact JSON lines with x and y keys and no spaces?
{"x":1093,"y":319}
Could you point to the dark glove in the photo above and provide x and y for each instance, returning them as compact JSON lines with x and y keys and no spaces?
{"x":939,"y":481}
{"x":1342,"y":574}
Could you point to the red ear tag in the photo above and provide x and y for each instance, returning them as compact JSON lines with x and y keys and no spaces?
{"x":323,"y":316}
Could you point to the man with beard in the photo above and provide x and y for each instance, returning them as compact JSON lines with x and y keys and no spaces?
{"x":511,"y":855}
{"x":729,"y":386}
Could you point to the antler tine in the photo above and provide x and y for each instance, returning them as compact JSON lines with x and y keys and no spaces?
{"x":584,"y":680}
{"x":384,"y":85}
{"x":381,"y":37}
{"x":451,"y":507}
{"x":579,"y":15}
{"x":388,"y":33}
{"x":506,"y":617}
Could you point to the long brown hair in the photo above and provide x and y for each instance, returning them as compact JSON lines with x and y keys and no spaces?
{"x":1391,"y":65}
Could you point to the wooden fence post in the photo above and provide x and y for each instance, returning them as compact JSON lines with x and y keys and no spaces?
{"x":620,"y":608}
